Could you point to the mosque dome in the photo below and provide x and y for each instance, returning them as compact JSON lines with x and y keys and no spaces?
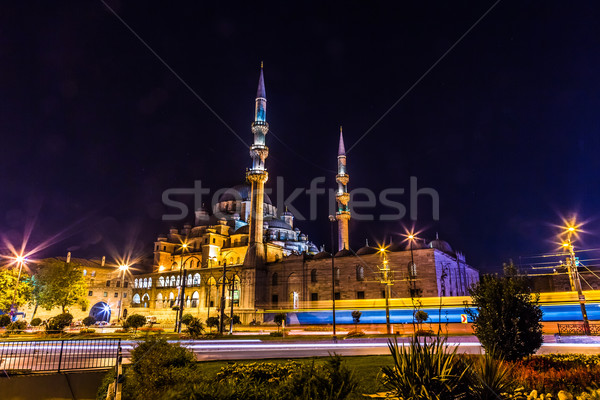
{"x":240,"y":193}
{"x":366,"y":250}
{"x":278,"y":223}
{"x":322,"y":254}
{"x":441,"y":245}
{"x":242,"y":230}
{"x":343,"y":253}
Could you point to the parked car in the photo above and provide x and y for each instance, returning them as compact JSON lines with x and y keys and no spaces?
{"x":101,"y":323}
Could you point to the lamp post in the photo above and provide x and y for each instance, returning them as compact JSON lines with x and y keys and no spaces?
{"x":574,"y":276}
{"x":181,"y":289}
{"x":332,"y":219}
{"x":412,"y":269}
{"x":20,"y":260}
{"x":123,"y":270}
{"x":387,"y":281}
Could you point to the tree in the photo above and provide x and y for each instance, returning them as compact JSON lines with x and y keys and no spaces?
{"x":36,"y":322}
{"x":506,"y":315}
{"x":8,"y":283}
{"x":212,"y":322}
{"x":195,"y":327}
{"x":420,"y":317}
{"x":186,"y":318}
{"x":4,"y":320}
{"x":59,"y":322}
{"x":89,"y":321}
{"x":278,"y":319}
{"x":135,"y":321}
{"x":60,"y":284}
{"x":356,"y":318}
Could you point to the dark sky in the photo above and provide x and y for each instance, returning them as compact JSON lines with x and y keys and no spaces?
{"x":505,"y":128}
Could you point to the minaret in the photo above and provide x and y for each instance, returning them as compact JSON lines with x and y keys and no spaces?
{"x":257,"y":175}
{"x":342,"y":196}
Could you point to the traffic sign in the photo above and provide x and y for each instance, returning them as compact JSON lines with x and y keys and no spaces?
{"x":463,"y":318}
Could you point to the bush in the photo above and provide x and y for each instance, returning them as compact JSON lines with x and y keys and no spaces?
{"x":89,"y":321}
{"x":4,"y":320}
{"x":135,"y":321}
{"x":186,"y":318}
{"x":36,"y":322}
{"x":87,"y":330}
{"x":507,"y":317}
{"x":355,"y":333}
{"x":195,"y":328}
{"x":59,"y":322}
{"x":425,"y":371}
{"x":490,"y":376}
{"x":276,"y":334}
{"x":17,"y":326}
{"x":212,"y":322}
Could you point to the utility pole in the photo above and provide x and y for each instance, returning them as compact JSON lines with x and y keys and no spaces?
{"x":332,"y":219}
{"x":222,"y":317}
{"x":386,"y":279}
{"x":572,"y":264}
{"x":231,"y":301}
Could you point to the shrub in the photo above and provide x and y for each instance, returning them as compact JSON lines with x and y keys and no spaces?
{"x":258,"y":372}
{"x":507,"y":316}
{"x":36,"y":322}
{"x":490,"y":376}
{"x":59,"y":322}
{"x":186,"y":318}
{"x":276,"y":334}
{"x":195,"y":327}
{"x":87,"y":330}
{"x":4,"y":320}
{"x":17,"y":326}
{"x":89,"y":321}
{"x":212,"y":322}
{"x":428,"y":370}
{"x":355,"y":333}
{"x":151,"y":329}
{"x":135,"y":321}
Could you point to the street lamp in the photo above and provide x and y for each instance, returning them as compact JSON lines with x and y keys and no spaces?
{"x":332,"y":219}
{"x":574,"y":274}
{"x":122,"y":270}
{"x":387,"y":281}
{"x":20,"y":260}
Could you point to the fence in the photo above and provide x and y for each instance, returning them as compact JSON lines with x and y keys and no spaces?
{"x":577,"y":329}
{"x":58,"y":355}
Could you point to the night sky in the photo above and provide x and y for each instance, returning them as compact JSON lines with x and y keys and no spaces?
{"x":94,"y":127}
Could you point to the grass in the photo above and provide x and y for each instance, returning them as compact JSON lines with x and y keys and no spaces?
{"x":366,"y":369}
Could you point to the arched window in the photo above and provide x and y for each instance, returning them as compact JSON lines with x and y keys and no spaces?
{"x":275,"y":279}
{"x":135,"y":283}
{"x":195,"y":299}
{"x":145,"y":283}
{"x":136,"y":299}
{"x":238,"y":260}
{"x":313,"y":276}
{"x":190,"y":278}
{"x":360,"y":273}
{"x":187,"y":301}
{"x":159,"y":300}
{"x":196,"y":280}
{"x":171,"y":299}
{"x":337,"y":275}
{"x":177,"y":282}
{"x":93,"y":274}
{"x":161,"y":281}
{"x":145,"y":300}
{"x":85,"y":272}
{"x":149,"y":282}
{"x":412,"y":270}
{"x":172,"y":280}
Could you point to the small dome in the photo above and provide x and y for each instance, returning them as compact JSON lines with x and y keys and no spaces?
{"x":240,"y":192}
{"x":278,"y":223}
{"x":242,"y":230}
{"x":321,"y":255}
{"x":366,"y":250}
{"x":441,"y":245}
{"x":343,"y":253}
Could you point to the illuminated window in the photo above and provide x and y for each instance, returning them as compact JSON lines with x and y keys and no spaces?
{"x":196,"y":280}
{"x":313,"y":276}
{"x":136,"y":299}
{"x":105,"y":294}
{"x":360,"y":273}
{"x":93,"y":274}
{"x":149,"y":282}
{"x":337,"y":276}
{"x":85,"y":272}
{"x":161,"y":281}
{"x":124,"y":295}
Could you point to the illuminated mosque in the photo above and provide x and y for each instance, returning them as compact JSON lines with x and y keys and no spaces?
{"x":249,"y":254}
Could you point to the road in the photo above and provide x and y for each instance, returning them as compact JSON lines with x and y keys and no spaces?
{"x":42,"y":356}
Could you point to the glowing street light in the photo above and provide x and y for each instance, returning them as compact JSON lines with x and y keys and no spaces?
{"x":386,"y":279}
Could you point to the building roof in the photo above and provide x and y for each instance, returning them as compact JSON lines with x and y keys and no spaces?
{"x":240,"y":193}
{"x":366,"y":250}
{"x":278,"y":223}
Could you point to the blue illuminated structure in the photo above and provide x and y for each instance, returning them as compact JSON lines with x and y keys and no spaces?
{"x":100,"y":311}
{"x":552,"y":313}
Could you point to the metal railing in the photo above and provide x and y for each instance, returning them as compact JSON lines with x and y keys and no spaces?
{"x":58,"y":355}
{"x":578,"y":329}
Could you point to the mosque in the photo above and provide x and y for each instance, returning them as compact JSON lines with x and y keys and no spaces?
{"x":247,"y":256}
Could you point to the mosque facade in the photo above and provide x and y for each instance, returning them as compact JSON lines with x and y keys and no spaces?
{"x":247,"y":256}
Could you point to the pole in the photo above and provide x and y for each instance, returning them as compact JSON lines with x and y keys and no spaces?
{"x":231,"y":313}
{"x":577,"y":283}
{"x":222,"y":317}
{"x":386,"y":280}
{"x":208,"y":301}
{"x":332,"y":219}
{"x":182,"y":299}
{"x":17,"y":283}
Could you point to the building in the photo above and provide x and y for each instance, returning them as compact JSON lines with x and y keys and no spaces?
{"x":247,"y":256}
{"x":109,"y":291}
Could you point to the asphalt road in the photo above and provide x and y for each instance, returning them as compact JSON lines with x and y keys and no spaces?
{"x":79,"y":355}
